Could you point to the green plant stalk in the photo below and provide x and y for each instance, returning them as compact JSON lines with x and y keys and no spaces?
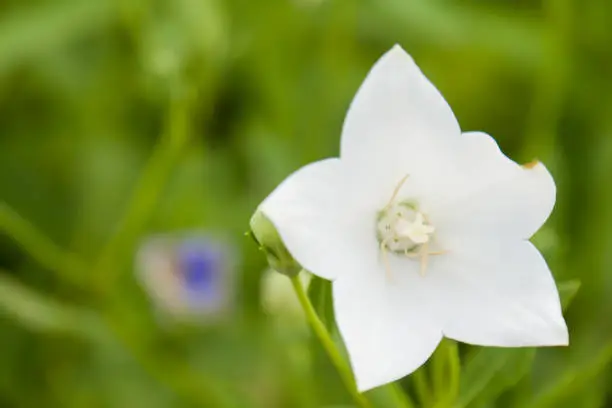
{"x":328,"y":344}
{"x":41,"y":313}
{"x":66,"y":265}
{"x":145,"y":195}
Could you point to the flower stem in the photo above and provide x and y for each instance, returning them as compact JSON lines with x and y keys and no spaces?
{"x":328,"y":344}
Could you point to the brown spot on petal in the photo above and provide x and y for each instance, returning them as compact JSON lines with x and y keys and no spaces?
{"x":531,"y":164}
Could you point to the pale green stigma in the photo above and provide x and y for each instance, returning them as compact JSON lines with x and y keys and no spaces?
{"x":402,"y":229}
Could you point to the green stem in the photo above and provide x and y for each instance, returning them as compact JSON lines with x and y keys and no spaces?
{"x":146,"y":194}
{"x":328,"y":344}
{"x":42,"y":313}
{"x":67,"y":266}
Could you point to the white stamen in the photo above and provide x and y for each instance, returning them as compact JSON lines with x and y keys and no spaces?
{"x":417,"y":231}
{"x":404,"y":230}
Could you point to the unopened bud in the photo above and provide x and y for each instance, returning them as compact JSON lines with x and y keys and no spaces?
{"x":270,"y":243}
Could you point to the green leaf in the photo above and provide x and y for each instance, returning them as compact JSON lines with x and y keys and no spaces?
{"x":567,"y":292}
{"x":574,"y":380}
{"x":445,"y":371}
{"x":491,"y":371}
{"x":320,"y":294}
{"x":391,"y":396}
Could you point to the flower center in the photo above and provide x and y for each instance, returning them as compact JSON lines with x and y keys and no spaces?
{"x":401,"y":228}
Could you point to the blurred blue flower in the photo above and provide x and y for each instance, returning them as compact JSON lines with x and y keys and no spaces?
{"x":187,"y":276}
{"x":201,"y":266}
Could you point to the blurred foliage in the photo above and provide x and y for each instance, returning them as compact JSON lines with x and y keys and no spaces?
{"x":120,"y":118}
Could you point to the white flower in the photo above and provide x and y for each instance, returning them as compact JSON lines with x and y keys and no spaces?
{"x":423,"y":230}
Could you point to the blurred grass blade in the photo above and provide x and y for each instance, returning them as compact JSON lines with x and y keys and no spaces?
{"x":446,"y":373}
{"x":573,"y":380}
{"x":27,"y":34}
{"x":568,"y":291}
{"x":422,"y":386}
{"x":390,"y":396}
{"x":491,"y":371}
{"x":39,"y":247}
{"x":39,"y":313}
{"x":42,"y":314}
{"x":515,"y":40}
{"x":146,"y":193}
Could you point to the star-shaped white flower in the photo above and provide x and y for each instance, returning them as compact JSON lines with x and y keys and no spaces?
{"x":423,"y":230}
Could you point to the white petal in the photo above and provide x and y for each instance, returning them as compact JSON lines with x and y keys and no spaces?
{"x":317,"y":213}
{"x":482,"y":162}
{"x":498,"y":293}
{"x":384,"y":323}
{"x":398,"y":121}
{"x":498,"y":196}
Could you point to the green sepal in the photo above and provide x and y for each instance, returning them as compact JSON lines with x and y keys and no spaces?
{"x":271,"y":244}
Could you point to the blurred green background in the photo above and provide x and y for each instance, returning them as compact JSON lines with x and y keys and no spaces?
{"x":128,"y":117}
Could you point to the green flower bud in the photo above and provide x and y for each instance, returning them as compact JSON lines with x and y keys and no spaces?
{"x":279,"y":258}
